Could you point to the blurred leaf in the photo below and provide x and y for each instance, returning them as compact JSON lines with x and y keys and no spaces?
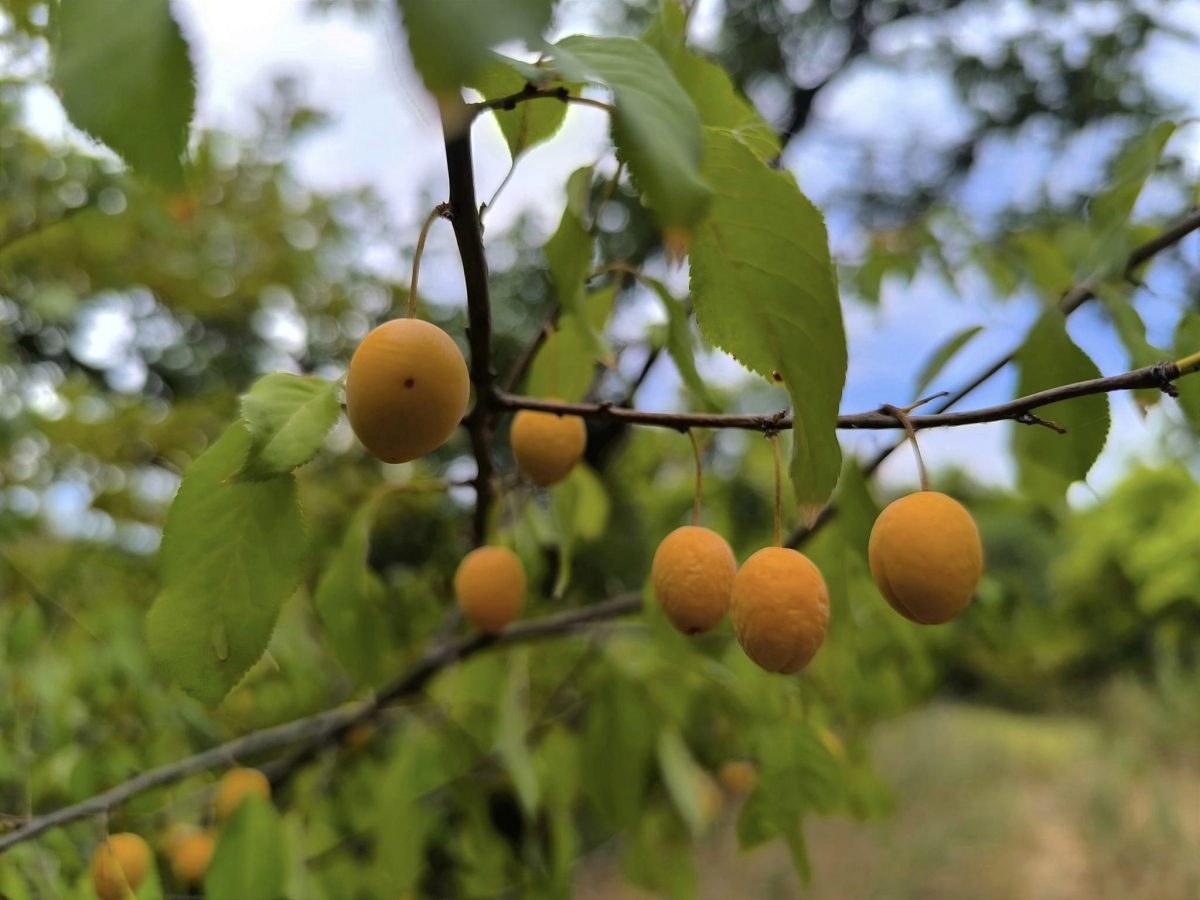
{"x":250,"y":860}
{"x":1050,"y":462}
{"x":451,"y":40}
{"x":557,"y":757}
{"x":942,"y":355}
{"x":1132,"y":331}
{"x":569,"y":251}
{"x":618,"y":744}
{"x":856,"y":507}
{"x":405,"y":821}
{"x":658,"y":856}
{"x":1049,"y":265}
{"x":1110,"y":211}
{"x":691,"y":790}
{"x":655,"y":126}
{"x":526,"y":124}
{"x":348,"y":599}
{"x":1187,"y":342}
{"x":511,"y":731}
{"x":289,"y":417}
{"x":122,"y":70}
{"x":231,"y":554}
{"x":581,"y":514}
{"x":566,"y":361}
{"x":717,"y":100}
{"x":764,"y":290}
{"x":681,"y":343}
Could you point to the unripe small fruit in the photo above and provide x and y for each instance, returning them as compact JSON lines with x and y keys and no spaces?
{"x":120,"y":865}
{"x":407,"y":389}
{"x":693,"y":574}
{"x":547,"y":446}
{"x":926,"y":557}
{"x":236,"y":785}
{"x":739,"y":776}
{"x":490,"y":587}
{"x":190,"y":857}
{"x":780,"y":609}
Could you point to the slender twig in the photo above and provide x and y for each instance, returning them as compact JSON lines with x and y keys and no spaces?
{"x":440,"y":211}
{"x":532,"y":93}
{"x":1015,"y":410}
{"x":328,"y":726}
{"x":773,"y":437}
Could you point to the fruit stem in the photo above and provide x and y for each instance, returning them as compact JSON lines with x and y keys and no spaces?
{"x":774,"y":439}
{"x":902,"y":417}
{"x":438,"y":212}
{"x":552,"y":348}
{"x":699,"y":484}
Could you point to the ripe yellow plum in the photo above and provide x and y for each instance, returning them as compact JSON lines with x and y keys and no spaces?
{"x":780,"y":609}
{"x":547,"y":446}
{"x":120,"y":865}
{"x":693,"y":574}
{"x":236,"y":785}
{"x":490,"y":587}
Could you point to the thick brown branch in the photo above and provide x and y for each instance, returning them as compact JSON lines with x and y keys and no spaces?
{"x":1148,"y":377}
{"x":327,"y":726}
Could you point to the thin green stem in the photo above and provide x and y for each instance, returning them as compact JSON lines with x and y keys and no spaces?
{"x":438,"y":212}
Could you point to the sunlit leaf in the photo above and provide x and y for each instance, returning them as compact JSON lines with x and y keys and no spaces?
{"x":569,"y":250}
{"x":1110,"y":211}
{"x":526,"y":124}
{"x":581,"y":513}
{"x":681,"y":343}
{"x":942,"y":355}
{"x":566,"y":362}
{"x":656,"y":127}
{"x":1187,"y":342}
{"x":764,"y":290}
{"x":122,"y":70}
{"x":511,"y":732}
{"x":250,"y":860}
{"x":289,"y":417}
{"x":231,"y":554}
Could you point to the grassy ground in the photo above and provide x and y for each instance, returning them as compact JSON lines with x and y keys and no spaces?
{"x":993,"y":805}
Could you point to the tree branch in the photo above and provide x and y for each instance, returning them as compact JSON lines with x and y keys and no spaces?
{"x":532,"y":92}
{"x":328,"y":726}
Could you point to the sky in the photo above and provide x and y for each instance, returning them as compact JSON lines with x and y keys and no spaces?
{"x":385,"y":133}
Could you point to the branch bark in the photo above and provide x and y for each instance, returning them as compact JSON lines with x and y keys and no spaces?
{"x":325,"y":727}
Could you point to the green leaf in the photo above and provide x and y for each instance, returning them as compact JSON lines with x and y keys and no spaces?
{"x":405,"y":822}
{"x":681,"y":343}
{"x":511,"y":730}
{"x":684,"y":779}
{"x":122,"y":70}
{"x":451,"y":40}
{"x":581,"y":507}
{"x":942,"y":355}
{"x":1132,"y":332}
{"x":1050,"y":462}
{"x":856,"y":508}
{"x":348,"y":599}
{"x":618,"y":744}
{"x":526,"y":124}
{"x":1110,"y":211}
{"x":719,"y":103}
{"x":659,"y":857}
{"x":250,"y":860}
{"x":569,"y":251}
{"x":231,"y":554}
{"x":764,"y":290}
{"x":289,"y":417}
{"x":566,"y":361}
{"x":1187,"y":342}
{"x":655,"y":126}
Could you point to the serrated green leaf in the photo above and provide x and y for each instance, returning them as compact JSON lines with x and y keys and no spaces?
{"x":527,"y":124}
{"x":943,"y":354}
{"x":566,"y":361}
{"x":717,"y":100}
{"x":618,"y":746}
{"x":684,"y":779}
{"x":1187,"y":342}
{"x":348,"y":598}
{"x":681,"y":344}
{"x":289,"y":417}
{"x":250,"y":860}
{"x":451,"y":40}
{"x":580,"y":504}
{"x":511,"y":730}
{"x":1049,"y":462}
{"x":655,"y":126}
{"x":764,"y":290}
{"x":231,"y":554}
{"x":122,"y":70}
{"x":1109,"y":212}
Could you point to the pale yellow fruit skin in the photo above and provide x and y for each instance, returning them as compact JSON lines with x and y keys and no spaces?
{"x":190,"y":857}
{"x":693,"y":574}
{"x":120,"y":865}
{"x":490,"y":587}
{"x":236,"y":785}
{"x":739,"y":776}
{"x":926,"y":557}
{"x":780,"y":609}
{"x":547,"y":446}
{"x":407,"y":389}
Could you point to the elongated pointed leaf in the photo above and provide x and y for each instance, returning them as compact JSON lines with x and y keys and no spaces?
{"x":566,"y":361}
{"x":717,"y":100}
{"x":569,"y":250}
{"x":250,"y":860}
{"x":1110,"y":211}
{"x":581,"y":507}
{"x":686,"y":782}
{"x":1049,"y":462}
{"x":942,"y":355}
{"x":1187,"y":342}
{"x":122,"y":70}
{"x":289,"y":418}
{"x":655,"y":126}
{"x":231,"y":554}
{"x":681,"y":344}
{"x":764,"y":290}
{"x":511,"y":730}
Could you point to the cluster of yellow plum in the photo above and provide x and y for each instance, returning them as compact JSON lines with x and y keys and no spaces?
{"x":121,"y":863}
{"x":925,"y":557}
{"x":406,"y":391}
